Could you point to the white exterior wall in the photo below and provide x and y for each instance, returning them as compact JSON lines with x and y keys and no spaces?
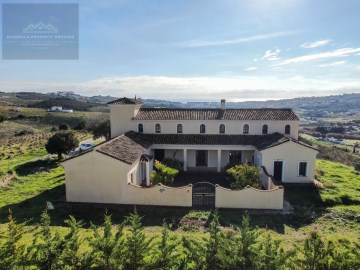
{"x":212,"y":126}
{"x":291,"y":154}
{"x":249,"y":198}
{"x":97,"y":178}
{"x":121,"y":118}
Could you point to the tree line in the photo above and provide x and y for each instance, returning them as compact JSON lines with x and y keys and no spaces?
{"x":127,"y":247}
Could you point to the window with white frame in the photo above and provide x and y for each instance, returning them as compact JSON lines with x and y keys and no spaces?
{"x":303,"y":168}
{"x":157,"y":128}
{"x":140,"y":128}
{"x":202,"y":128}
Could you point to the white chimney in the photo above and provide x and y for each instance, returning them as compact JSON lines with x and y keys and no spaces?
{"x":222,"y":102}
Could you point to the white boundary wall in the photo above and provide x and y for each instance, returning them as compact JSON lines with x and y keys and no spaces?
{"x":159,"y":195}
{"x":249,"y":198}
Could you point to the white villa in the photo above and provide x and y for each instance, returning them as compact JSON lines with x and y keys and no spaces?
{"x":204,"y":140}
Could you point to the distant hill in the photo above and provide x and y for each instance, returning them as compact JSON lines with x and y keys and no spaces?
{"x":66,"y":104}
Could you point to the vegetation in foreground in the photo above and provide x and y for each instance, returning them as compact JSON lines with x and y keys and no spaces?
{"x":126,"y":246}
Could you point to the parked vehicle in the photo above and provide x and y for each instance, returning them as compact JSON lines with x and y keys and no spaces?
{"x":86,"y":146}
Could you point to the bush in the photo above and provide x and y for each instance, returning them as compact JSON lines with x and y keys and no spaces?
{"x":357,"y":166}
{"x":54,"y":129}
{"x":3,"y":117}
{"x":162,"y":174}
{"x":244,"y":175}
{"x":173,"y":163}
{"x":64,"y":126}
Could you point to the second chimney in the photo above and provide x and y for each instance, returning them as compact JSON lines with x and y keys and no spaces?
{"x":222,"y":102}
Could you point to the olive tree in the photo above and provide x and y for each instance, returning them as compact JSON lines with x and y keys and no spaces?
{"x":62,"y":143}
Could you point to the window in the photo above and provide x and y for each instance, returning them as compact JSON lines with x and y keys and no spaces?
{"x":157,"y":128}
{"x":303,"y":168}
{"x":179,"y":128}
{"x":222,"y":129}
{"x":287,"y":129}
{"x":265,"y":129}
{"x":246,"y":129}
{"x":140,"y":128}
{"x":202,"y":128}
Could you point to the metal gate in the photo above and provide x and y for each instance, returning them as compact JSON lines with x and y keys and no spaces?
{"x":203,"y":195}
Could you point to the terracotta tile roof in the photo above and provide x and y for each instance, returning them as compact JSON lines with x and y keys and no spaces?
{"x":215,"y":114}
{"x":127,"y":147}
{"x":126,"y":100}
{"x":259,"y":141}
{"x":130,"y":146}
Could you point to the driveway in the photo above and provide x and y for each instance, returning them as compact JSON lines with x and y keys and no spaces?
{"x":91,"y":140}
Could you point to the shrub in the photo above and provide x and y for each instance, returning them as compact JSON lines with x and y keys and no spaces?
{"x":173,"y":163}
{"x":54,"y":129}
{"x":244,"y":175}
{"x":3,"y":117}
{"x":23,"y":132}
{"x":357,"y":166}
{"x":162,"y":174}
{"x":64,"y":126}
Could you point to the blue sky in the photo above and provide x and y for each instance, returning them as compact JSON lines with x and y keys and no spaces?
{"x":204,"y":50}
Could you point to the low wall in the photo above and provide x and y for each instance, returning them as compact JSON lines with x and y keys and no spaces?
{"x":159,"y":195}
{"x":249,"y":198}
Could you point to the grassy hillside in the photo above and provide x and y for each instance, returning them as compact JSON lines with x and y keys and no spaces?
{"x":65,"y":103}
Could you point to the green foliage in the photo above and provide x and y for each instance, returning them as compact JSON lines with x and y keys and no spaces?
{"x":240,"y":249}
{"x":64,"y":126}
{"x":136,"y":245}
{"x":244,"y":175}
{"x":47,"y":247}
{"x":246,"y":242}
{"x":164,"y":255}
{"x":106,"y":246}
{"x":269,"y":255}
{"x":62,"y":143}
{"x":162,"y":174}
{"x":173,"y":163}
{"x":71,"y":258}
{"x":3,"y":117}
{"x":12,"y":252}
{"x":102,"y":130}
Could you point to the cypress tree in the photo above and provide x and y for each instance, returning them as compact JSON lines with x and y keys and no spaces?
{"x":165,"y":255}
{"x":13,"y":254}
{"x":71,"y":257}
{"x":136,"y":245}
{"x":105,"y":245}
{"x":47,"y":247}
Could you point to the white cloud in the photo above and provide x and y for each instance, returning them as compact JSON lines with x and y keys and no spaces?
{"x":334,"y":64}
{"x":199,"y":88}
{"x":271,"y":55}
{"x":250,"y":68}
{"x":331,"y":54}
{"x":311,"y":45}
{"x":222,"y":42}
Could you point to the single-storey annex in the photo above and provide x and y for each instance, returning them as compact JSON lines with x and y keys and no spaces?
{"x":206,"y":140}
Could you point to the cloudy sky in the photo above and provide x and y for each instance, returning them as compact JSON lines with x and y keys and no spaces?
{"x":204,"y":50}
